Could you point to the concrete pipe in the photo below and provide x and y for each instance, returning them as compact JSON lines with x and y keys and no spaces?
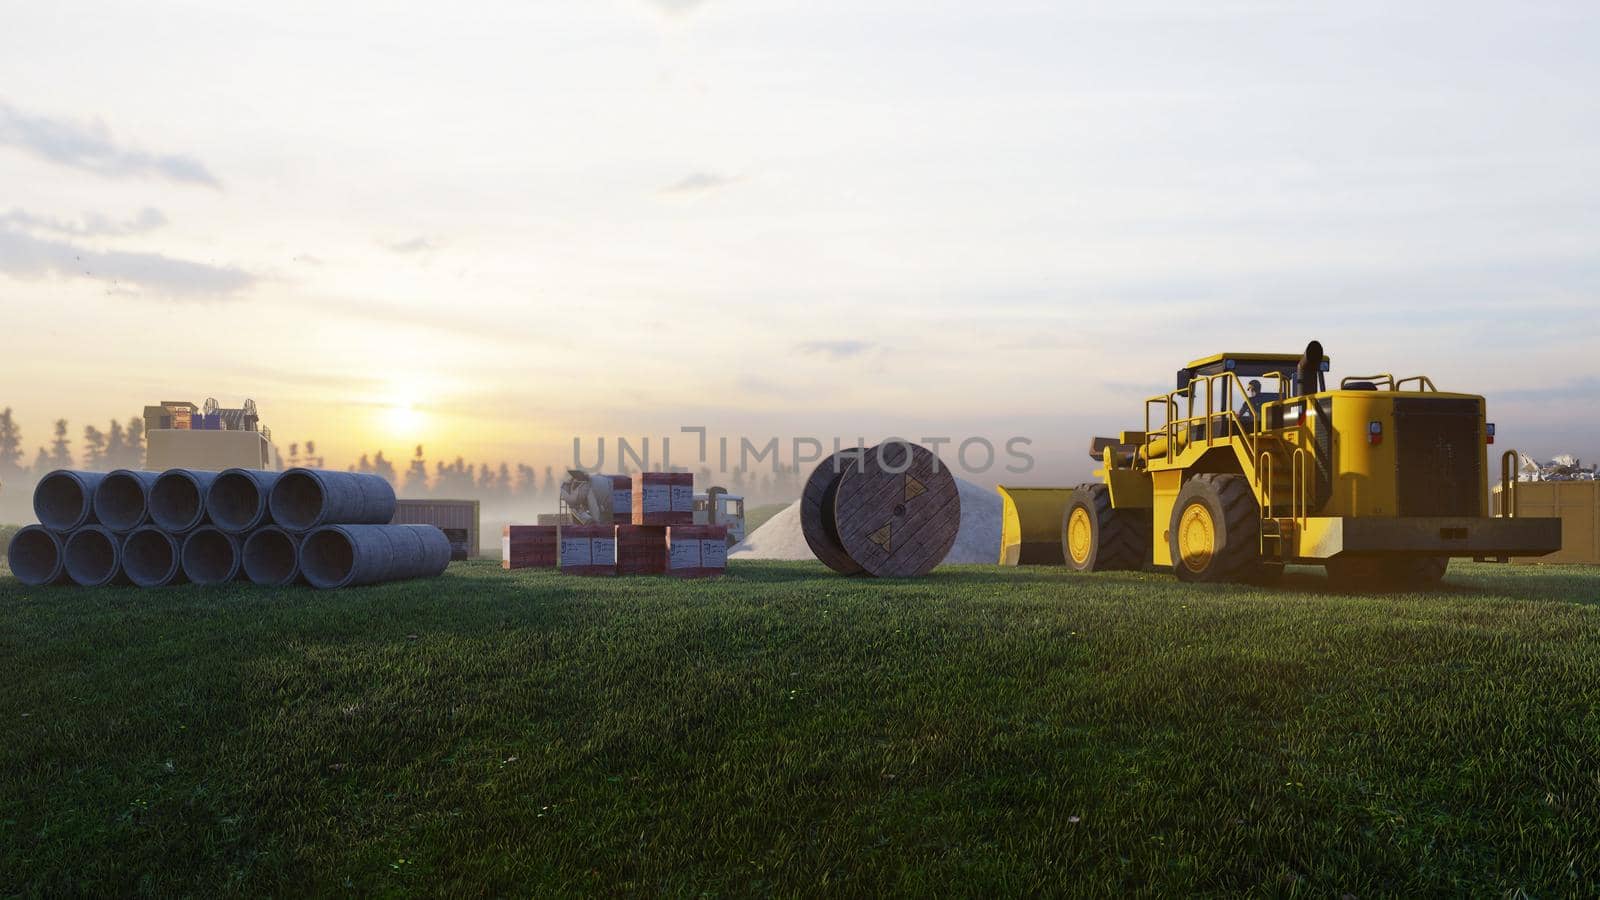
{"x":122,"y":499}
{"x":210,"y":556}
{"x":336,"y":556}
{"x":304,"y":499}
{"x":152,"y":558}
{"x":178,"y":499}
{"x":237,"y":500}
{"x":93,"y":557}
{"x":272,"y":556}
{"x":37,"y":557}
{"x":64,"y":499}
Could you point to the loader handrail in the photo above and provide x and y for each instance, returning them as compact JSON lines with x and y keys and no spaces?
{"x":1508,"y":483}
{"x":1297,"y":490}
{"x":1384,"y":381}
{"x":1229,"y":416}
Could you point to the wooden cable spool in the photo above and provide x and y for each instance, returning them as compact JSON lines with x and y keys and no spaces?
{"x":816,"y":511}
{"x":896,"y":510}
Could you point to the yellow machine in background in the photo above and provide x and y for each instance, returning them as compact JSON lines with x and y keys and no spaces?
{"x":1253,"y":463}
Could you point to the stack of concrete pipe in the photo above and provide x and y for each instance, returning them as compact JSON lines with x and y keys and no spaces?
{"x":326,"y":529}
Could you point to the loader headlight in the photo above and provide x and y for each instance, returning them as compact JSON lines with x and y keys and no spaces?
{"x":1374,"y":433}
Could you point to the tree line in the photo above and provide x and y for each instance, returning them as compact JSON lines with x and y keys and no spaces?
{"x":119,"y":446}
{"x":122,"y":446}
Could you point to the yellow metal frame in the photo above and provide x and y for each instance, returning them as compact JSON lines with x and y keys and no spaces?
{"x":1386,"y":382}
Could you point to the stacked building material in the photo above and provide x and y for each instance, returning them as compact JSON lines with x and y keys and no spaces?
{"x":664,"y":498}
{"x":697,"y":551}
{"x":528,"y":547}
{"x":328,"y":528}
{"x":588,"y":549}
{"x":641,"y":550}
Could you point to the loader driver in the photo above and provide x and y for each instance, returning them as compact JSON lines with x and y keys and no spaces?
{"x":1252,"y":404}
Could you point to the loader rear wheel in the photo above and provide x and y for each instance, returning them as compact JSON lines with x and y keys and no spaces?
{"x":1216,"y":531}
{"x":1368,"y":573}
{"x":1097,"y":538}
{"x":1414,"y":572}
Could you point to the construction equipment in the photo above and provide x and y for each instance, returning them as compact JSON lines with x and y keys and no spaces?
{"x":588,"y":499}
{"x":718,"y":507}
{"x":1252,"y":462}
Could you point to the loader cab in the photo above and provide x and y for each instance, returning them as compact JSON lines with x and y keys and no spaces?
{"x":1274,"y":371}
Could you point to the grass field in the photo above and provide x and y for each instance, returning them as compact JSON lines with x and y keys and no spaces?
{"x":786,"y":731}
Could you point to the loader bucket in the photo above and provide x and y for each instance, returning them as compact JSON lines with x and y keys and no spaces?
{"x":1030,"y":525}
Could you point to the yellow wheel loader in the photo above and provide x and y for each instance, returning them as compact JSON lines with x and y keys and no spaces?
{"x":1253,"y":462}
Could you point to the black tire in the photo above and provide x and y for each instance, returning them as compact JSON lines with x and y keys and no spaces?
{"x":1417,"y":572}
{"x":1117,"y":539}
{"x":1234,"y":520}
{"x":1395,"y":573}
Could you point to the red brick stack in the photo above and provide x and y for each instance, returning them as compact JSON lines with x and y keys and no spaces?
{"x":528,"y":547}
{"x":664,"y":498}
{"x":697,"y":551}
{"x":621,"y":499}
{"x":588,"y":549}
{"x":641,"y":550}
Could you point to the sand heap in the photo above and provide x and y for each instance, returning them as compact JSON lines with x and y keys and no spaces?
{"x":978,"y":540}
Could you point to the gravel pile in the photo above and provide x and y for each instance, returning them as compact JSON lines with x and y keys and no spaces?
{"x":978,"y":541}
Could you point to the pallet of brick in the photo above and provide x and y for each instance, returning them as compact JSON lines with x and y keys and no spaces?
{"x":697,"y":551}
{"x":588,"y":549}
{"x":664,"y":498}
{"x":641,"y":550}
{"x":528,"y":547}
{"x":621,"y":499}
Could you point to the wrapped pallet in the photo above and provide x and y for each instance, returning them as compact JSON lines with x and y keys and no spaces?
{"x":697,"y":551}
{"x":588,"y":549}
{"x":664,"y":498}
{"x":641,"y":550}
{"x":528,"y":547}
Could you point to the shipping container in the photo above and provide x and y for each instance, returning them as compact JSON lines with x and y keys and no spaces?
{"x":458,"y":519}
{"x":1575,"y":503}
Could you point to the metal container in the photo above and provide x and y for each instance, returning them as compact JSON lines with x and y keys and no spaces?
{"x":1575,"y":503}
{"x":460,"y":521}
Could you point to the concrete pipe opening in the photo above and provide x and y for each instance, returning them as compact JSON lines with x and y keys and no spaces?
{"x":36,"y":557}
{"x":328,"y":558}
{"x":178,"y":500}
{"x":150,"y":558}
{"x":210,"y":556}
{"x":237,"y":502}
{"x":120,"y":501}
{"x":297,"y":500}
{"x":93,"y":557}
{"x":65,"y":500}
{"x":272,"y":556}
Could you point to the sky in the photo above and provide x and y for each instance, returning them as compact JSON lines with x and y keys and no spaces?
{"x":490,"y":229}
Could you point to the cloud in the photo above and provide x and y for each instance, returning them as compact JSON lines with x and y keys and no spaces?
{"x":418,"y":244}
{"x":698,"y":183}
{"x":677,"y":7}
{"x":23,"y":255}
{"x":91,"y":225}
{"x":836,"y":349}
{"x":90,"y":146}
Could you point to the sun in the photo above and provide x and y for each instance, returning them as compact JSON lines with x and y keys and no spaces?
{"x":402,"y":419}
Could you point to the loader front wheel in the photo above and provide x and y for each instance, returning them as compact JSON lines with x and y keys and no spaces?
{"x":1215,"y":533}
{"x":1097,"y":538}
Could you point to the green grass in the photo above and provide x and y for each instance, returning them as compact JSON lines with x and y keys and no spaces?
{"x":786,"y":731}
